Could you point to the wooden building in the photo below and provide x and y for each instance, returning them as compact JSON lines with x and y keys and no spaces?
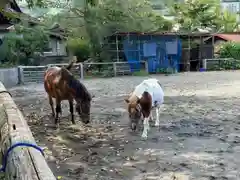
{"x":57,"y":46}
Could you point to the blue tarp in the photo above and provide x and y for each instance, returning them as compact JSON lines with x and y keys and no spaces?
{"x":153,"y":50}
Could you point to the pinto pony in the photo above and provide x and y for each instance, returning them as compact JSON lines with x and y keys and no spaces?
{"x":142,"y":100}
{"x":59,"y":83}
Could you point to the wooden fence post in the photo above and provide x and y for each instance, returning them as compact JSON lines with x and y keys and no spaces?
{"x":146,"y":66}
{"x":115,"y":69}
{"x":20,"y":75}
{"x":204,"y":63}
{"x":81,"y":71}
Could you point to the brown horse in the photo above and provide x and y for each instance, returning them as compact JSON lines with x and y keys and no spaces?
{"x":142,"y":100}
{"x":60,"y":84}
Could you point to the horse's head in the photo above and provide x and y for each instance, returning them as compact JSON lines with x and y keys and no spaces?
{"x":83,"y":107}
{"x":134,"y":111}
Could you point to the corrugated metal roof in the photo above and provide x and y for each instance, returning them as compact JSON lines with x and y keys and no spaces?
{"x":165,"y":33}
{"x":229,"y":37}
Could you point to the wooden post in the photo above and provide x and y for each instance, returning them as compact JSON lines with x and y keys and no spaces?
{"x":213,"y":47}
{"x":81,"y":71}
{"x":204,"y":63}
{"x":189,"y":54}
{"x":24,"y":163}
{"x":117,"y":48}
{"x":115,"y":69}
{"x":20,"y":75}
{"x":146,"y":66}
{"x":201,"y":49}
{"x":4,"y":134}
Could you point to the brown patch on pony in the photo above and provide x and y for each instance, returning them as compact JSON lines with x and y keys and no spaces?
{"x":146,"y":104}
{"x":138,"y":107}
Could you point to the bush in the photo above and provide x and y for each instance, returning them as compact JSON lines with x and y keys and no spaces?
{"x":229,"y":64}
{"x":80,"y":48}
{"x":230,"y":50}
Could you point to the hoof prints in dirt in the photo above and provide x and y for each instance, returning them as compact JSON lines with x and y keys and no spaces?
{"x":189,"y":128}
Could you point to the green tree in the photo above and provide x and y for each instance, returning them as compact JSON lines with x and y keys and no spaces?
{"x":95,"y":20}
{"x":80,"y":48}
{"x":227,"y":21}
{"x":197,"y":13}
{"x":204,"y":13}
{"x":24,"y":45}
{"x":230,"y":50}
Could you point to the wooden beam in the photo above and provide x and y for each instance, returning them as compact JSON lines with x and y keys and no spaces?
{"x":189,"y":55}
{"x":23,"y":163}
{"x":213,"y":47}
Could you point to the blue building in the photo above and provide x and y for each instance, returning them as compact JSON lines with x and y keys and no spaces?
{"x":160,"y":50}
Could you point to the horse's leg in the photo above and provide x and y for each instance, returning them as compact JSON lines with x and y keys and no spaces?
{"x":151,"y":116}
{"x":51,"y":104}
{"x":157,"y":122}
{"x":58,"y":110}
{"x":145,"y":127}
{"x":71,"y":110}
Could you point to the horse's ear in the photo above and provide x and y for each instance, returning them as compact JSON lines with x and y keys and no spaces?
{"x":138,"y":101}
{"x":126,"y":100}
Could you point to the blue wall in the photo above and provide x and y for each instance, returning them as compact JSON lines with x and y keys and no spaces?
{"x":153,"y":49}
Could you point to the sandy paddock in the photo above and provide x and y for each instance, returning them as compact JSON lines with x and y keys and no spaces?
{"x":198,"y":137}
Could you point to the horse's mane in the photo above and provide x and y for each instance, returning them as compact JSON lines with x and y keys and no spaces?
{"x":69,"y":66}
{"x":80,"y":88}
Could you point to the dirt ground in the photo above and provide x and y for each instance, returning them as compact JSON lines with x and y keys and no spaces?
{"x":198,"y":137}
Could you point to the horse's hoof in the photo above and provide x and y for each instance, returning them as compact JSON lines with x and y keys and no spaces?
{"x":144,"y":136}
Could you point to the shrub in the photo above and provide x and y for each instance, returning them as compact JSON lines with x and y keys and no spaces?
{"x":80,"y":48}
{"x":230,"y":50}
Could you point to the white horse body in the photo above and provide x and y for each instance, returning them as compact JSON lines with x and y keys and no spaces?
{"x":152,"y":86}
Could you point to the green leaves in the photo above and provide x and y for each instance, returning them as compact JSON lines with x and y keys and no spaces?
{"x":80,"y":48}
{"x":203,"y":13}
{"x":24,"y":43}
{"x":230,"y":50}
{"x":34,"y":3}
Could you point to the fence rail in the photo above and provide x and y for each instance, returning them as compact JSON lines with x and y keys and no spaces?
{"x":30,"y":74}
{"x":220,"y":63}
{"x":23,"y":163}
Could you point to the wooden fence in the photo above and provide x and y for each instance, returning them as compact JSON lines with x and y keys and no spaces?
{"x":30,"y":74}
{"x":21,"y":161}
{"x":218,"y":63}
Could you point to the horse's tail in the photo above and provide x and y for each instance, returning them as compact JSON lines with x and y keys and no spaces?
{"x":70,"y":65}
